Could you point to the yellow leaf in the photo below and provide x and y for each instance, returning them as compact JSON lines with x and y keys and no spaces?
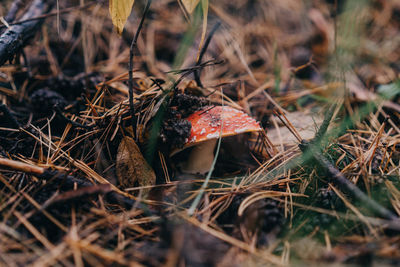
{"x":120,"y":11}
{"x":190,"y":5}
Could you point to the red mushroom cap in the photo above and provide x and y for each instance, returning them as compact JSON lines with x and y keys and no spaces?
{"x":206,"y":123}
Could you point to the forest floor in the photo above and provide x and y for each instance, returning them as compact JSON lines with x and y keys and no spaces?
{"x":89,"y":176}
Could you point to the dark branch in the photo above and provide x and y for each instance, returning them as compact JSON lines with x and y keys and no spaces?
{"x":12,"y":12}
{"x":15,"y":37}
{"x":313,"y":149}
{"x":52,"y":14}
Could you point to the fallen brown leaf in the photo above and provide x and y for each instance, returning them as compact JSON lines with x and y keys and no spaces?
{"x":132,"y":167}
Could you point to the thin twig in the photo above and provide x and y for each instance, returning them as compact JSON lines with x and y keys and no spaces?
{"x":77,"y":194}
{"x":63,"y":178}
{"x":325,"y":124}
{"x":157,"y":83}
{"x":133,"y":45}
{"x":186,"y":72}
{"x":60,"y":113}
{"x":203,"y":51}
{"x":279,"y":114}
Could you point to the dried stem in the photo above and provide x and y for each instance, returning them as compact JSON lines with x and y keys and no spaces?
{"x":133,"y":45}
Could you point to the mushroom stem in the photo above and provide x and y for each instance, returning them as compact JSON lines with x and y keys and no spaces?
{"x":201,"y":158}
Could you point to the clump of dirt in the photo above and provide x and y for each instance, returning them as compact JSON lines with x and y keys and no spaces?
{"x":44,"y":101}
{"x":175,"y":132}
{"x":175,"y":129}
{"x":184,"y":104}
{"x":71,"y":88}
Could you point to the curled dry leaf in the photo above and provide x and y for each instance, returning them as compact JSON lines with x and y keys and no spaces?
{"x":132,"y":167}
{"x":120,"y":11}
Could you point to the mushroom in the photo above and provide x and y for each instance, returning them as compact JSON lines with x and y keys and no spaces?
{"x":205,"y":131}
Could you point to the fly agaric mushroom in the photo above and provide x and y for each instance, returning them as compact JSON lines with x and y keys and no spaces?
{"x":206,"y":129}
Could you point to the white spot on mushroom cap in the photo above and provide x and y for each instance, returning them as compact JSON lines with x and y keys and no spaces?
{"x":240,"y":130}
{"x":212,"y":135}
